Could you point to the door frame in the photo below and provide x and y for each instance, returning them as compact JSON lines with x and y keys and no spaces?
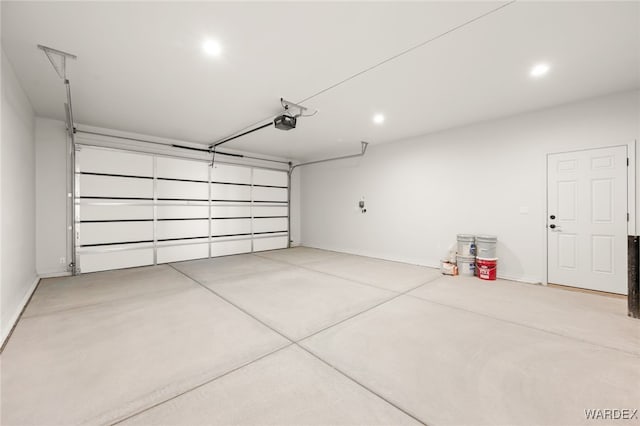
{"x":632,"y":200}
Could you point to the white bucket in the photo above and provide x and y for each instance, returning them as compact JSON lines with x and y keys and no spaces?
{"x":466,"y":245}
{"x":486,"y":246}
{"x":466,"y":265}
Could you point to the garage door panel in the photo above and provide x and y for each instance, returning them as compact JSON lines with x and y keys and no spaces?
{"x":174,"y":229}
{"x":224,"y":192}
{"x":271,"y":243}
{"x":115,"y":232}
{"x":270,"y":225}
{"x":177,"y":190}
{"x":98,"y":160}
{"x":230,"y":173}
{"x":230,"y":227}
{"x":230,"y":211}
{"x":264,"y":211}
{"x":115,"y":212}
{"x":182,"y":252}
{"x":183,"y":212}
{"x":182,"y":169}
{"x":270,"y":177}
{"x":269,"y":194}
{"x":93,"y":262}
{"x":115,"y":187}
{"x":228,"y":247}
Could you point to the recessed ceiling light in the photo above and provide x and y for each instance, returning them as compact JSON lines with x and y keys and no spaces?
{"x":212,"y":47}
{"x":378,"y":118}
{"x":539,"y":70}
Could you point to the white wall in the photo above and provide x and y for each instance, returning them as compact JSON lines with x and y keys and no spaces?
{"x":51,"y":197}
{"x":17,"y":197}
{"x":421,"y":192}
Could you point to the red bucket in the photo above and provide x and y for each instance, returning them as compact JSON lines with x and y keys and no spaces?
{"x":487,"y":268}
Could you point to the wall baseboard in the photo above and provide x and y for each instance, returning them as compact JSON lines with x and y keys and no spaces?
{"x":520,"y":279}
{"x":524,"y":280}
{"x":7,"y":330}
{"x":55,"y":274}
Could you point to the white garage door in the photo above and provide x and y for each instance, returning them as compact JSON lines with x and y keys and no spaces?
{"x":136,"y":209}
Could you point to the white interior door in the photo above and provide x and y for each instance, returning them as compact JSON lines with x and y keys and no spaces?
{"x":587,"y":219}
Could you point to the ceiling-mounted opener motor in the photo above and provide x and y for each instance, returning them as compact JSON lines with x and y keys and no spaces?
{"x":287,"y":121}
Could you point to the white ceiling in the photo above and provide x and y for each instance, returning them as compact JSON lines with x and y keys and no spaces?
{"x":140,"y":66}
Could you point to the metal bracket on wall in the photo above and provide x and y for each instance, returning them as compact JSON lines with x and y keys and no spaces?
{"x":58,"y":59}
{"x":60,"y":68}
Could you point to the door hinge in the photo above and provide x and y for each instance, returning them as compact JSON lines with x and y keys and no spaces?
{"x":627,"y":161}
{"x":627,"y":217}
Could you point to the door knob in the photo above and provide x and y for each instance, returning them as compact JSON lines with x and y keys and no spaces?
{"x":552,"y":226}
{"x":553,"y":216}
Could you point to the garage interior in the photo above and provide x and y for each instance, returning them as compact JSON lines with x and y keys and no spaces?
{"x":236,"y":213}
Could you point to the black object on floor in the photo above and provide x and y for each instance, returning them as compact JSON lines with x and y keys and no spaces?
{"x":633,"y":298}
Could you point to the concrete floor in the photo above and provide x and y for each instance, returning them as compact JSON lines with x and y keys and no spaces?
{"x":305,"y":336}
